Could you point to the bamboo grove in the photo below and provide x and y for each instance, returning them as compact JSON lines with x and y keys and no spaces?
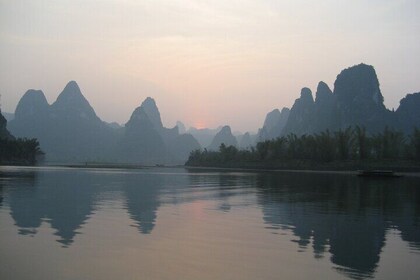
{"x":348,"y":145}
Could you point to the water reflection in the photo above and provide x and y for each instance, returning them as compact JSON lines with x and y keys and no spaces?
{"x":223,"y":187}
{"x":63,"y":199}
{"x":346,"y":216}
{"x":142,"y":202}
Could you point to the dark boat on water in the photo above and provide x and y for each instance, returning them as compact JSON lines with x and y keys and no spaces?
{"x":378,"y":173}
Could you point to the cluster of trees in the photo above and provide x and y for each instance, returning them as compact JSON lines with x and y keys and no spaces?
{"x":19,"y":151}
{"x":351,"y":144}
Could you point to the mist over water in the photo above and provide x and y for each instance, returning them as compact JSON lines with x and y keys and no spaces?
{"x":164,"y":223}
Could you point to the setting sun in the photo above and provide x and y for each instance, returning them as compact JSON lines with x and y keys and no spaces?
{"x":200,"y":124}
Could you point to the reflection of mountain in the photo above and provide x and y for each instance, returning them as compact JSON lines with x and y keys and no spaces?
{"x":142,"y":192}
{"x":338,"y":215}
{"x":64,"y":199}
{"x":71,"y":203}
{"x":346,"y":215}
{"x":221,"y":186}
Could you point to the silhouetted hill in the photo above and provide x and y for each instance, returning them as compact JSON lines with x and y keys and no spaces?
{"x":31,"y":117}
{"x":273,"y":124}
{"x":151,"y":110}
{"x":408,"y":113}
{"x":72,"y":105}
{"x":224,"y":136}
{"x":181,"y":127}
{"x":359,"y":99}
{"x":301,"y":114}
{"x":147,"y":141}
{"x":356,"y":101}
{"x":33,"y":104}
{"x":181,"y":146}
{"x":324,"y":108}
{"x":70,"y":131}
{"x":271,"y":119}
{"x":142,"y":142}
{"x":246,"y":140}
{"x":204,"y":136}
{"x":159,"y":144}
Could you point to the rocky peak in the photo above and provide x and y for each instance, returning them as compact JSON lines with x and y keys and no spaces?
{"x":272,"y":119}
{"x":358,"y":85}
{"x":411,"y":102}
{"x":152,"y":111}
{"x":323,"y":93}
{"x":71,"y":94}
{"x":225,"y":131}
{"x":139,"y":119}
{"x":246,"y":141}
{"x":408,"y":112}
{"x":181,"y":127}
{"x":359,"y":100}
{"x":304,"y":104}
{"x":274,"y":124}
{"x":306,"y":95}
{"x":71,"y":102}
{"x":301,"y":115}
{"x":284,"y":116}
{"x":224,"y":136}
{"x":285,"y":111}
{"x":33,"y":102}
{"x":325,"y":109}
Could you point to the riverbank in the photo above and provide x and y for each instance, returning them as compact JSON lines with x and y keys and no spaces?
{"x":10,"y":170}
{"x":348,"y":167}
{"x":302,"y":165}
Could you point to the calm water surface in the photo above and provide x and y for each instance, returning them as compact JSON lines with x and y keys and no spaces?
{"x":62,"y":223}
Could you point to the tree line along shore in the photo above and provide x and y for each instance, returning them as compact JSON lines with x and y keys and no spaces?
{"x":349,"y":149}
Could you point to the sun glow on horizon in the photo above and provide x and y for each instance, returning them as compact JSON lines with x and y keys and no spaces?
{"x":200,"y":124}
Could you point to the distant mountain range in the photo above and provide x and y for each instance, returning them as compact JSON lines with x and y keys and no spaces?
{"x":70,"y":131}
{"x":355,"y":101}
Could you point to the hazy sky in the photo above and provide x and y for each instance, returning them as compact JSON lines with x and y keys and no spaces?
{"x":205,"y":62}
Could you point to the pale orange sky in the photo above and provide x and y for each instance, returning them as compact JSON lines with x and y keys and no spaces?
{"x":205,"y":62}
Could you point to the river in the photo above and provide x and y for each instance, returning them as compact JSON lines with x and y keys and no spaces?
{"x":175,"y":223}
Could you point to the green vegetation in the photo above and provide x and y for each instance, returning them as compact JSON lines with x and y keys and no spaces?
{"x":351,"y":148}
{"x":19,"y":151}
